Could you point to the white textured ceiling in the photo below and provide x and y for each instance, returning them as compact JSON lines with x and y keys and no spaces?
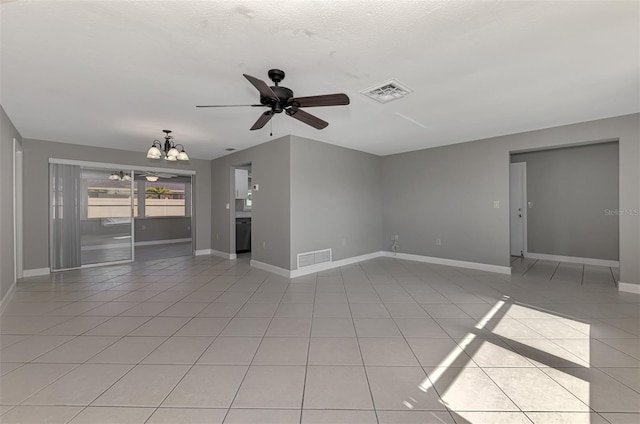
{"x":115,"y":73}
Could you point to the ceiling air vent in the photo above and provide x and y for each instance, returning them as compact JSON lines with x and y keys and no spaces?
{"x":387,"y":91}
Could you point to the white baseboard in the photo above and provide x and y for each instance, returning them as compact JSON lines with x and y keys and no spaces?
{"x":573,"y":259}
{"x":335,"y":264}
{"x":451,"y":262}
{"x":7,"y":297}
{"x":154,"y":242}
{"x":35,"y":272}
{"x":230,"y":256}
{"x":270,"y":268}
{"x":313,"y":268}
{"x":629,"y":288}
{"x":355,"y":259}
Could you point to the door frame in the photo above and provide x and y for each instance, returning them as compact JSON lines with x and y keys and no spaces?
{"x":525,"y":204}
{"x":18,"y":262}
{"x":232,"y":207}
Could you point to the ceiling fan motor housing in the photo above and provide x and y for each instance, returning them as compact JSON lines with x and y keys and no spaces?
{"x":283,"y":93}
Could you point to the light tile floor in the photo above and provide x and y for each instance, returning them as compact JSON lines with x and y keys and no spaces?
{"x":206,"y":340}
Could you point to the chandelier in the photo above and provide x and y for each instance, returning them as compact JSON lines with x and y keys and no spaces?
{"x":169,"y":150}
{"x":119,"y":176}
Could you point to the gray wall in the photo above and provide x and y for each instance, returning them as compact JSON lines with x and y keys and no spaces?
{"x":570,"y":189}
{"x":7,"y":255}
{"x":448,"y":192}
{"x":163,"y":228}
{"x":270,"y":212}
{"x":36,"y":190}
{"x":335,"y":200}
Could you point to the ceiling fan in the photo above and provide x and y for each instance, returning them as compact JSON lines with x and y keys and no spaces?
{"x":280,"y":99}
{"x":153,"y":176}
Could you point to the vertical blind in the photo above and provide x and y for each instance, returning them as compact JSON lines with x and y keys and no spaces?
{"x":65,"y":209}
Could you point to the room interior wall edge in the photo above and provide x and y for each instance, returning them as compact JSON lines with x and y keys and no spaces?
{"x":7,"y":254}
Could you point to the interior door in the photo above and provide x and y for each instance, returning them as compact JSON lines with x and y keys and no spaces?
{"x":517,"y":207}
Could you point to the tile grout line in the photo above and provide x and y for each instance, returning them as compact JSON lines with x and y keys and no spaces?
{"x":364,"y":367}
{"x":554,"y":271}
{"x":440,"y":399}
{"x":83,"y":408}
{"x":529,"y":267}
{"x":257,"y":348}
{"x":479,"y":367}
{"x":613,"y":277}
{"x":155,"y":409}
{"x":497,"y":286}
{"x":306,"y":367}
{"x":133,"y":366}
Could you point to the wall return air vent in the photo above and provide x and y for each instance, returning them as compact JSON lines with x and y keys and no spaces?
{"x":387,"y":91}
{"x":314,"y":258}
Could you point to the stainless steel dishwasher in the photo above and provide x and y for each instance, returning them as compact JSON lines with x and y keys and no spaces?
{"x":243,"y":235}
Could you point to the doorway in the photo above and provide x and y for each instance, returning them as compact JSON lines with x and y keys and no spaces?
{"x":518,"y":208}
{"x":241,"y":222}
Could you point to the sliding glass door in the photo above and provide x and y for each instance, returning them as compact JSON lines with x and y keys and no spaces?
{"x":91,"y":216}
{"x":107,"y":216}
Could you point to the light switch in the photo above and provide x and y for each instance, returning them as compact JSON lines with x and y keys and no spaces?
{"x":496,"y":204}
{"x":256,"y":187}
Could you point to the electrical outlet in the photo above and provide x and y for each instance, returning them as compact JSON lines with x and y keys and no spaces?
{"x":227,"y":206}
{"x":264,"y":244}
{"x":143,"y":228}
{"x":496,"y":204}
{"x":530,"y":205}
{"x":438,"y":242}
{"x":217,"y":236}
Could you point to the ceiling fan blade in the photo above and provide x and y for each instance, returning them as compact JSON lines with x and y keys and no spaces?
{"x":231,"y":105}
{"x":262,"y":120}
{"x":262,"y":87}
{"x":307,"y":118}
{"x":339,"y":99}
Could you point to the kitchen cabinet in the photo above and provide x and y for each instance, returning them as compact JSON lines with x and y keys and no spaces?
{"x":242,"y":183}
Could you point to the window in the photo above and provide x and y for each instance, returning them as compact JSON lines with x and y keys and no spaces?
{"x":164,"y":199}
{"x":108,"y":199}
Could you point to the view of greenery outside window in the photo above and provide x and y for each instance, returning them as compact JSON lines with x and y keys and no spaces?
{"x":164,"y":199}
{"x":109,"y":199}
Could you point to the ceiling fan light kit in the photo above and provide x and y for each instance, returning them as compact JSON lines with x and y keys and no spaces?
{"x":281,"y":99}
{"x":169,"y":150}
{"x":119,"y":176}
